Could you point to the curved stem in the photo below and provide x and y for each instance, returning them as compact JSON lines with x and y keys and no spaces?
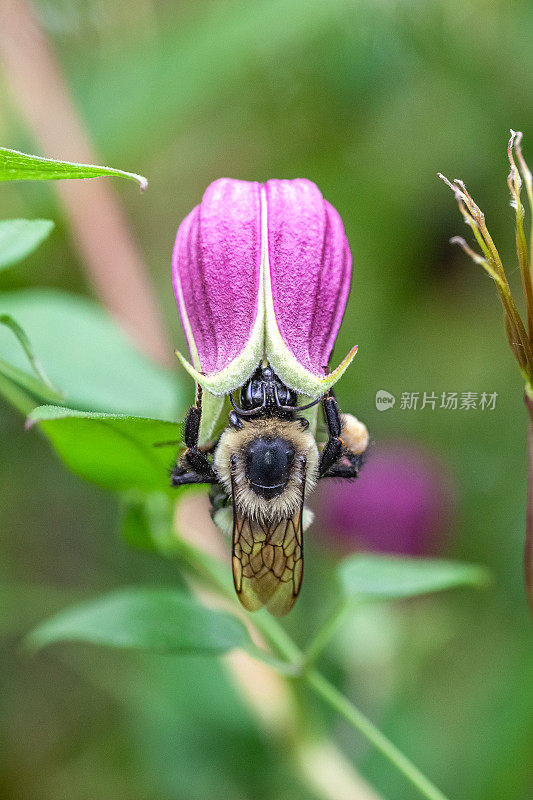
{"x":297,"y":666}
{"x":340,"y":703}
{"x":325,"y":634}
{"x":528,"y":550}
{"x":287,"y":668}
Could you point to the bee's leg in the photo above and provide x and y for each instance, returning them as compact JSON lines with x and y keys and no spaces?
{"x":347,"y":470}
{"x":193,"y":466}
{"x":179,"y":478}
{"x":337,"y":460}
{"x":333,"y":448}
{"x":209,"y":448}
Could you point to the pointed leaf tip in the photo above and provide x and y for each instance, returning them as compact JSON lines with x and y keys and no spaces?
{"x":17,"y":166}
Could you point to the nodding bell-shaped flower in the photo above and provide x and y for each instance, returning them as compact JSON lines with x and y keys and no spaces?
{"x":262,"y":272}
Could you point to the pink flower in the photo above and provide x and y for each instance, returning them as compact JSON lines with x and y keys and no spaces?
{"x":262,"y":271}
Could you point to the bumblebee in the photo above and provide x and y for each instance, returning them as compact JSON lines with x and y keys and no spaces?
{"x":262,"y":468}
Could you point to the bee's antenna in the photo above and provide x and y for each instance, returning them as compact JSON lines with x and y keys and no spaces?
{"x":309,"y":405}
{"x":252,"y":412}
{"x":294,"y":408}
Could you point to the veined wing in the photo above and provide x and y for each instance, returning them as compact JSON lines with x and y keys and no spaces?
{"x":268,"y":561}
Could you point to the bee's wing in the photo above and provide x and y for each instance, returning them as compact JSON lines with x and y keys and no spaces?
{"x":268,"y":561}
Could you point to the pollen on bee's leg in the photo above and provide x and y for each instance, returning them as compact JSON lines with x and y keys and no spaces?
{"x":354,"y":434}
{"x":307,"y":518}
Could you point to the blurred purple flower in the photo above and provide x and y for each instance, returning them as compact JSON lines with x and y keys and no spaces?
{"x":262,"y":270}
{"x":403,"y":502}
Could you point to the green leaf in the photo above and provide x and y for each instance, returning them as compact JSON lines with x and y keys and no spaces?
{"x":15,"y":166}
{"x":385,"y":577}
{"x":88,"y":357}
{"x":147,"y":521}
{"x":158,"y":620}
{"x":114,"y":451}
{"x":20,"y":237}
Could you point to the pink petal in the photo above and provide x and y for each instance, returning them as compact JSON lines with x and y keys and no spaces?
{"x":310,"y":268}
{"x":216,"y":272}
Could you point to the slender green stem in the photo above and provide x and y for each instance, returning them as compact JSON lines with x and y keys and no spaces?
{"x":287,"y":668}
{"x":9,"y":322}
{"x":325,"y":634}
{"x":279,"y":638}
{"x":528,"y":550}
{"x":295,"y":665}
{"x":340,"y":703}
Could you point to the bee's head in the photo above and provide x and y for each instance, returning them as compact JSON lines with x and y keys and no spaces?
{"x":268,"y":464}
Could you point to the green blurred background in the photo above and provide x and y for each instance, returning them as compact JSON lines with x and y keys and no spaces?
{"x":369,"y":100}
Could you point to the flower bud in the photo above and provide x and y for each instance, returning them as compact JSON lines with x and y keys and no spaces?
{"x":262,"y":271}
